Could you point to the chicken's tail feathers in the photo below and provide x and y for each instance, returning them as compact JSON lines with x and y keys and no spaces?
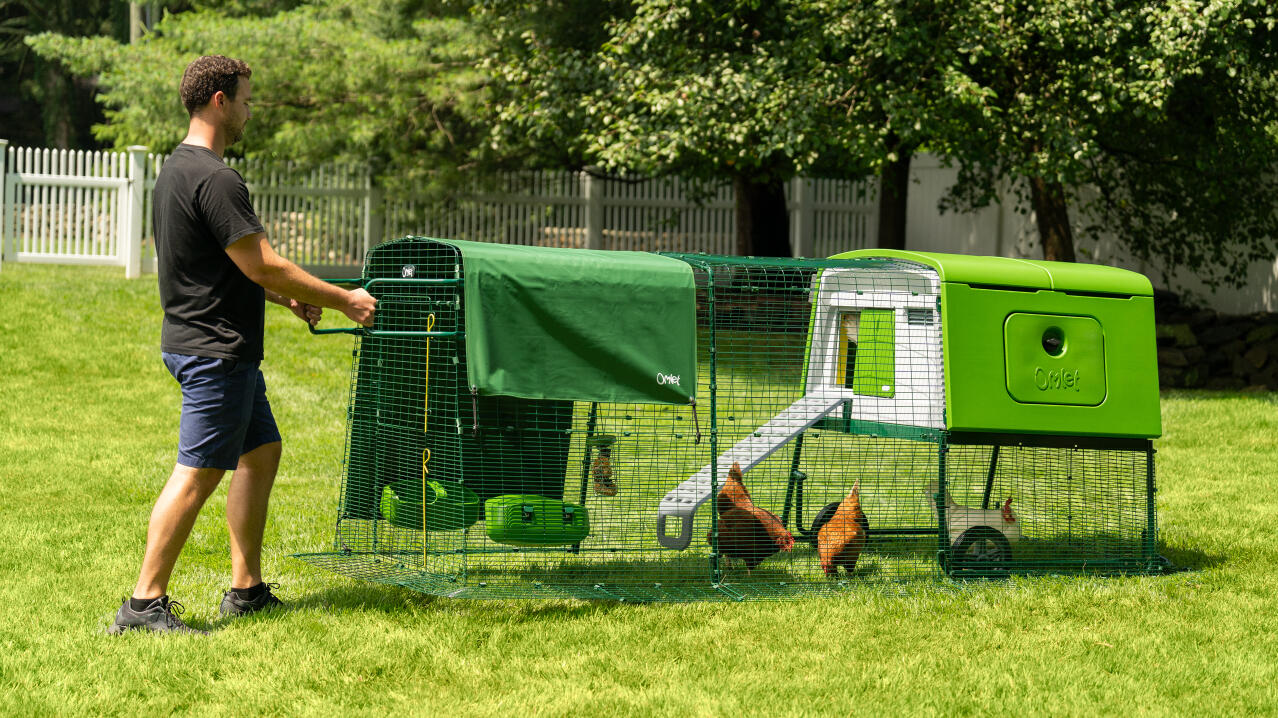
{"x":933,"y":487}
{"x":854,"y":496}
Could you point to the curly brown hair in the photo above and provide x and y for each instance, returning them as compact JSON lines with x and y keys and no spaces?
{"x":207,"y":75}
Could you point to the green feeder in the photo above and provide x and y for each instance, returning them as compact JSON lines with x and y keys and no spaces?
{"x":449,"y":505}
{"x":530,"y":520}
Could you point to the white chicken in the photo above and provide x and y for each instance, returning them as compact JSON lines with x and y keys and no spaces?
{"x":959,"y":518}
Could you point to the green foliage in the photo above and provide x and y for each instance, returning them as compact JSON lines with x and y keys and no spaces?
{"x":64,"y":106}
{"x":1157,"y":119}
{"x":1165,"y":109}
{"x":21,"y":18}
{"x":238,"y":8}
{"x":543,"y":67}
{"x":88,"y":422}
{"x":731,"y":90}
{"x":712,"y":88}
{"x":707,"y":90}
{"x":340,"y":80}
{"x":1192,"y":184}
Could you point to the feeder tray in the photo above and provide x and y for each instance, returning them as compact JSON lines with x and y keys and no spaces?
{"x":449,"y":505}
{"x":531,"y":520}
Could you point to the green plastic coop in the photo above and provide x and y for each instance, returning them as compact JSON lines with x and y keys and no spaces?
{"x":539,"y":422}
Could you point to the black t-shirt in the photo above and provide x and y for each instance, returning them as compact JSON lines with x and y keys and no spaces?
{"x":210,"y":308}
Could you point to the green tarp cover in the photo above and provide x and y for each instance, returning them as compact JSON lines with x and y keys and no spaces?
{"x":576,"y":324}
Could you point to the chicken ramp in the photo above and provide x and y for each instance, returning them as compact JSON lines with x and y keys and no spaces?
{"x":684,"y":500}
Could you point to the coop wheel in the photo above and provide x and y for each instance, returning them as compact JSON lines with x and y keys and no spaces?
{"x":824,"y":515}
{"x":980,"y":549}
{"x":827,"y":512}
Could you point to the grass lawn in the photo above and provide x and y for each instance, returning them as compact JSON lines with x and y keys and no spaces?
{"x":88,"y":419}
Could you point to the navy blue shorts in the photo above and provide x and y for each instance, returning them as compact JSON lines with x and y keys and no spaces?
{"x":225,"y":413}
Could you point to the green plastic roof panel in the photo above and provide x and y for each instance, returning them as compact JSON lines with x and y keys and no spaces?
{"x":1020,"y":273}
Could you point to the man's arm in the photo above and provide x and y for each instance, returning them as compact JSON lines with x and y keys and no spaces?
{"x":278,"y":276}
{"x":308,"y":313}
{"x":279,"y":299}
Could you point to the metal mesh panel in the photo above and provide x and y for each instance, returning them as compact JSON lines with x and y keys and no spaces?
{"x":457,"y":494}
{"x":1074,"y":509}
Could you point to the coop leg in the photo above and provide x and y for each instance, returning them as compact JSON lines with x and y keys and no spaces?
{"x":1151,"y":513}
{"x":989,"y":478}
{"x":586,"y":457}
{"x":585,"y":462}
{"x":794,"y":487}
{"x":942,"y":531}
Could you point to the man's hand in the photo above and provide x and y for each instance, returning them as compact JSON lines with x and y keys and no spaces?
{"x":360,"y":306}
{"x":308,"y":313}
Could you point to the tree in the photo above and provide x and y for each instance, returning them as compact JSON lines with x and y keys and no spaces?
{"x":893,"y":66}
{"x":1193,"y":184}
{"x":748,"y":91}
{"x":65,"y":103}
{"x":1156,"y":122}
{"x":340,"y":80}
{"x":709,"y":91}
{"x":1051,"y":72}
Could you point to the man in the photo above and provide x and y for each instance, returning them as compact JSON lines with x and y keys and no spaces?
{"x":215,"y":270}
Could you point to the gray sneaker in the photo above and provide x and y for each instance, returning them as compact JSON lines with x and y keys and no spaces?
{"x":233,"y":605}
{"x":161,"y":616}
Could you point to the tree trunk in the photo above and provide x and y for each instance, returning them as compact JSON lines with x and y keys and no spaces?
{"x":1052,"y":213}
{"x":894,"y":193}
{"x":763,"y":221}
{"x":55,"y":106}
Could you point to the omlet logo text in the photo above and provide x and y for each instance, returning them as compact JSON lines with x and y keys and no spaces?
{"x":664,"y":379}
{"x":1056,"y":379}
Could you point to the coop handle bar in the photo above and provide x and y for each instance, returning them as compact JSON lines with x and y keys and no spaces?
{"x":367,"y":284}
{"x":384,"y":333}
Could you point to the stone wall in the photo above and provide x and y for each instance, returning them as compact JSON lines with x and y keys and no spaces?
{"x":1202,"y":348}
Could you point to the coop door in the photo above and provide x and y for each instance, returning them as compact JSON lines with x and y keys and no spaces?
{"x":867,"y":352}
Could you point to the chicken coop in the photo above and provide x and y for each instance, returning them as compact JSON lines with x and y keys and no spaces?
{"x":537,"y":422}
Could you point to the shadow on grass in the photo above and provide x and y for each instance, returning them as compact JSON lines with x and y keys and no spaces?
{"x":364,"y":596}
{"x":386,"y":599}
{"x":1190,"y":559}
{"x":583,"y":585}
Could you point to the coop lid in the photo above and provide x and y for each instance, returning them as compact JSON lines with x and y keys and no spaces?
{"x":580,"y":325}
{"x":1020,"y":273}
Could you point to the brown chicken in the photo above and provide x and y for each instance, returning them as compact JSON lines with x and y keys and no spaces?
{"x":746,"y":531}
{"x":841,"y":539}
{"x":733,"y":492}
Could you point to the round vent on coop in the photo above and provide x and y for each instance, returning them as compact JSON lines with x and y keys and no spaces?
{"x":538,"y":422}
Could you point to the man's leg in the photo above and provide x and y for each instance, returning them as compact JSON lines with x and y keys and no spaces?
{"x":171,"y":521}
{"x":246,"y":504}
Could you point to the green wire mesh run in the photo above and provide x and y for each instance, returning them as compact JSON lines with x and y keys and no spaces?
{"x":457,"y":494}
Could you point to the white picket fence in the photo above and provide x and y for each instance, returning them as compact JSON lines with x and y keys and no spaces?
{"x":580,"y":210}
{"x":94,"y":208}
{"x":73,"y":207}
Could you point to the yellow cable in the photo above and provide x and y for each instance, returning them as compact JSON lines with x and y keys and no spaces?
{"x":430,"y":326}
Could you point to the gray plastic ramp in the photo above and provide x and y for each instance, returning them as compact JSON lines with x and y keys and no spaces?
{"x":684,"y":500}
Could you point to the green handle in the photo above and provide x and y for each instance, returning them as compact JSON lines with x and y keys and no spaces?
{"x":367,"y":332}
{"x":352,"y":330}
{"x":386,"y":333}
